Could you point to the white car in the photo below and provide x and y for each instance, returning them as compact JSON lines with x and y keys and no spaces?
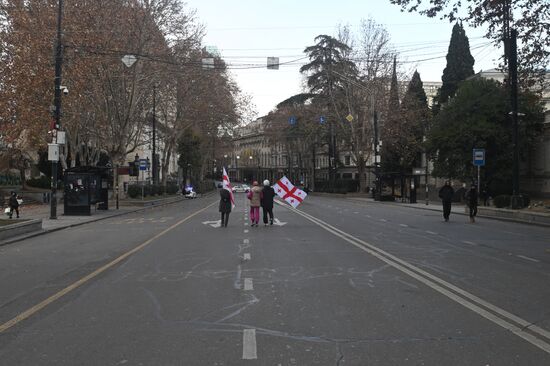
{"x":240,"y":188}
{"x":191,"y":194}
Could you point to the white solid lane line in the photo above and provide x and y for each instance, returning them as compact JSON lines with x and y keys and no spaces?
{"x":249,"y":344}
{"x":516,"y":325}
{"x":248,"y":286}
{"x":528,"y":258}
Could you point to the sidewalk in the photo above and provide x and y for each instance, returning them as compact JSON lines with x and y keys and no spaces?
{"x":42,"y":212}
{"x":503,"y":214}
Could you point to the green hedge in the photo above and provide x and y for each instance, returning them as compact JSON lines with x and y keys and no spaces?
{"x":502,"y":201}
{"x":42,"y":182}
{"x":134,"y":191}
{"x":339,"y":186}
{"x":172,"y":188}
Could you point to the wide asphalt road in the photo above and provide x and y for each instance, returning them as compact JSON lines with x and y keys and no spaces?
{"x":336,"y":282}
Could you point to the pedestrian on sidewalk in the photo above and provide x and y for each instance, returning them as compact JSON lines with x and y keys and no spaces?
{"x":225,"y":206}
{"x":471,"y":201}
{"x":254,"y":195}
{"x":266,"y":201}
{"x":13,"y":204}
{"x":446,"y":194}
{"x":484,"y":195}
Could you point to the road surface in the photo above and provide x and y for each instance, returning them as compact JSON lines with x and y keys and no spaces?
{"x":338,"y":282}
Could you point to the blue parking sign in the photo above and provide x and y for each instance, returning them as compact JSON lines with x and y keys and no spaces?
{"x":479,"y":157}
{"x":322,"y":120}
{"x":143,"y":164}
{"x":292,"y":120}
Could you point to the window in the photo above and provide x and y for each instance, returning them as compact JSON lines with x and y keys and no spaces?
{"x":347,"y":160}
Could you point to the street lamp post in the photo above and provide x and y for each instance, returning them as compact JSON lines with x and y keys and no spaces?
{"x":237,"y":168}
{"x":57,"y":103}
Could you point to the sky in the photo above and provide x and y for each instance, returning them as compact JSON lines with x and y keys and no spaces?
{"x":246,"y":32}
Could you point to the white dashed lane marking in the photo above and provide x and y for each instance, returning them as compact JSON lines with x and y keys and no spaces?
{"x":249,"y":344}
{"x":469,"y":242}
{"x":403,"y":225}
{"x":246,"y":256}
{"x":528,"y":258}
{"x":248,"y":286}
{"x":431,"y":232}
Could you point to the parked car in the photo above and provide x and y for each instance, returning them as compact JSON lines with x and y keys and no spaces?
{"x":191,"y":194}
{"x":240,"y":188}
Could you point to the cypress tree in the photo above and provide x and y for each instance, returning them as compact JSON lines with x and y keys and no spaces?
{"x":391,"y":126}
{"x":460,"y":64}
{"x":393,"y":101}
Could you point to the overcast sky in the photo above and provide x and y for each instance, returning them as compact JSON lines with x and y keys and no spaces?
{"x":246,"y":32}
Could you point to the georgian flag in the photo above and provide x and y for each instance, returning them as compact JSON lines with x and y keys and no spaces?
{"x":226,"y":184}
{"x":288,"y":192}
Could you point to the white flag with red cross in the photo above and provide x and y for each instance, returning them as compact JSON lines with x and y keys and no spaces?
{"x":286,"y":190}
{"x":226,"y":184}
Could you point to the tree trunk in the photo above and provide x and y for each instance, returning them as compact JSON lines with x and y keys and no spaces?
{"x":362,"y":176}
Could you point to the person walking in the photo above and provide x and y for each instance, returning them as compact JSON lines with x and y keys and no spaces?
{"x":266,"y":201}
{"x":13,"y":204}
{"x":254,"y":195}
{"x":225,"y":206}
{"x":446,"y":194}
{"x":471,"y":201}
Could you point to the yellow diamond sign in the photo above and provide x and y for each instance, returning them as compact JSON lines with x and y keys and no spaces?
{"x":349,"y":117}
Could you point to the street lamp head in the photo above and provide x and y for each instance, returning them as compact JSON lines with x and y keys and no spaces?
{"x":250,"y":157}
{"x":225,"y":156}
{"x":238,"y":157}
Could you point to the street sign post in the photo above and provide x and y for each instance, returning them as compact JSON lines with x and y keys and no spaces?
{"x":478,"y":160}
{"x":143,"y":164}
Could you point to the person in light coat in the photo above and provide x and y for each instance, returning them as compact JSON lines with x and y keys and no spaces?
{"x":255,"y":196}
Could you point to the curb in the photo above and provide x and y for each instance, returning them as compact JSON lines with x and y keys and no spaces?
{"x":44,"y":232}
{"x":497,"y":218}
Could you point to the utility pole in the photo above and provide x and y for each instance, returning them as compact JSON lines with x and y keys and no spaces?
{"x":155,"y":180}
{"x":513,"y":76}
{"x":378,"y":185}
{"x":57,"y":104}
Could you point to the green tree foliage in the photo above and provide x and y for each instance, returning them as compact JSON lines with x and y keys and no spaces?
{"x":477,"y":117}
{"x":404,"y":144}
{"x":460,"y":64}
{"x":189,"y":150}
{"x":327,"y":61}
{"x":391,"y":127}
{"x":528,"y":17}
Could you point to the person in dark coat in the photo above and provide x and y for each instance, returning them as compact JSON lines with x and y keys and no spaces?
{"x":446,"y":194}
{"x":13,"y":204}
{"x":225,"y":206}
{"x":471,"y":201}
{"x":266,"y":201}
